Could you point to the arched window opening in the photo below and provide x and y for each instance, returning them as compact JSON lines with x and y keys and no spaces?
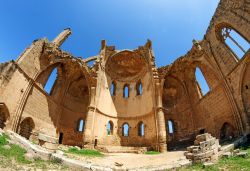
{"x":126,"y":91}
{"x":51,"y":81}
{"x":238,"y":45}
{"x":125,"y":130}
{"x":113,"y":88}
{"x":202,"y":83}
{"x":80,"y":126}
{"x":110,"y":128}
{"x":138,"y":88}
{"x":170,"y":127}
{"x":26,"y":127}
{"x":141,"y":129}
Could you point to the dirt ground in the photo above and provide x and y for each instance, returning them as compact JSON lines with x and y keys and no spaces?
{"x":131,"y":160}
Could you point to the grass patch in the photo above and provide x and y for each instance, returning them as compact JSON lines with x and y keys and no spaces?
{"x":85,"y":152}
{"x":12,"y":157}
{"x":13,"y":152}
{"x":152,"y":152}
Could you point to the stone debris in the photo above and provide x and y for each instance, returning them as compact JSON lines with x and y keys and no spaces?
{"x":205,"y":149}
{"x":226,"y":154}
{"x":118,"y":164}
{"x":242,"y":154}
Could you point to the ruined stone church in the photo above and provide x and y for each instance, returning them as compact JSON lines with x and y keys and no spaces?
{"x":124,"y":99}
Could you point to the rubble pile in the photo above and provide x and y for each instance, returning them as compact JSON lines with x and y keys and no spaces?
{"x":205,"y":149}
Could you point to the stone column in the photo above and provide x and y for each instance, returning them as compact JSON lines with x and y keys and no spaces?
{"x":88,"y":140}
{"x":162,"y":138}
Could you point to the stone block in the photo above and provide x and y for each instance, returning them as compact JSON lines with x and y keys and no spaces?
{"x":47,"y":138}
{"x":189,"y":156}
{"x":203,"y":137}
{"x":227,"y":155}
{"x":207,"y":164}
{"x":242,"y":154}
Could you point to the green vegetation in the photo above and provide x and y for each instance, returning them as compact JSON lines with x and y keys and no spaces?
{"x":12,"y":151}
{"x":85,"y":152}
{"x":227,"y":164}
{"x":12,"y":157}
{"x":152,"y":152}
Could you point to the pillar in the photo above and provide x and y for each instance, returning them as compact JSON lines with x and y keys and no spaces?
{"x":88,"y":138}
{"x":162,"y":138}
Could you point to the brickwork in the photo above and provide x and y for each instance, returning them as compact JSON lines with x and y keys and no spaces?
{"x":170,"y":93}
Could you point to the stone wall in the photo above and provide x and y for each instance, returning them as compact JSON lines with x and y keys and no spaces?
{"x":168,"y":93}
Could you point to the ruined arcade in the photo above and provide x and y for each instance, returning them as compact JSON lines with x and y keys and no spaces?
{"x":124,"y":99}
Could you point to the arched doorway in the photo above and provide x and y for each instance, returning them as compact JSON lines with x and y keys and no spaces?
{"x":226,"y":132}
{"x":26,"y":127}
{"x":4,"y":115}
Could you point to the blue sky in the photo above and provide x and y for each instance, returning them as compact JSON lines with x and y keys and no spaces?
{"x":127,"y":24}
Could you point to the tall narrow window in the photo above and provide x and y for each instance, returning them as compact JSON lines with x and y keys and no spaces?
{"x":170,"y":127}
{"x":238,"y":45}
{"x":113,"y":88}
{"x":80,"y":125}
{"x":110,"y":127}
{"x":51,"y":81}
{"x":126,"y":91}
{"x":125,"y":130}
{"x":141,"y":129}
{"x":138,"y":88}
{"x":201,"y":81}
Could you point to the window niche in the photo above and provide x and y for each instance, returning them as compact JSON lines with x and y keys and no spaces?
{"x":141,"y":129}
{"x":139,"y":88}
{"x":126,"y":91}
{"x":125,"y":130}
{"x":110,"y":128}
{"x":49,"y":86}
{"x":80,"y":125}
{"x":234,"y":41}
{"x":203,"y":87}
{"x":170,"y":126}
{"x":113,"y":88}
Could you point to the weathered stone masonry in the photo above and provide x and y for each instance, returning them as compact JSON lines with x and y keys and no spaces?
{"x":155,"y":97}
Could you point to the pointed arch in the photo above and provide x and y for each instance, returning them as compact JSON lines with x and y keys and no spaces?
{"x":49,"y":85}
{"x":202,"y":84}
{"x":232,"y":39}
